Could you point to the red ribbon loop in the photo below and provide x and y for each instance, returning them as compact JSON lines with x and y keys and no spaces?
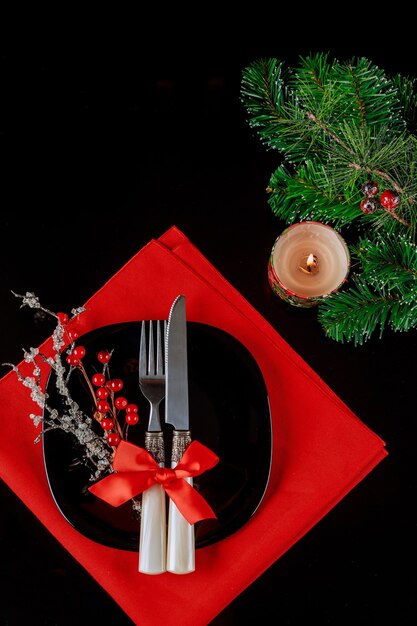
{"x":136,"y":470}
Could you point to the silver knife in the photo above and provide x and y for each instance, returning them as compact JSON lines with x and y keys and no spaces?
{"x":180,"y":541}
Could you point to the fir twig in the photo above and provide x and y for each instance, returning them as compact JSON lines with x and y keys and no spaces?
{"x":355,"y":314}
{"x":384,"y":293}
{"x":389,"y":263}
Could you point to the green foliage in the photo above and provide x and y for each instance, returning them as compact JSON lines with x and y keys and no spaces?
{"x":383,"y":294}
{"x":347,"y":117}
{"x":357,"y":91}
{"x":310,"y":194}
{"x":353,"y":315}
{"x":406,"y":90}
{"x":337,"y":125}
{"x":390,"y":264}
{"x":274,"y":110}
{"x":370,"y":98}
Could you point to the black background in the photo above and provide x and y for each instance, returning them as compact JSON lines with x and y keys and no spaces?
{"x":113,"y":130}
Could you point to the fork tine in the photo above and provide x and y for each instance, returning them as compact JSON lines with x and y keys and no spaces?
{"x":151,"y":382}
{"x":159,"y":350}
{"x":151,"y":357}
{"x":142,"y":351}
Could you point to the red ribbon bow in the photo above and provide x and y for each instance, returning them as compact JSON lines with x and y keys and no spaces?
{"x":136,"y":470}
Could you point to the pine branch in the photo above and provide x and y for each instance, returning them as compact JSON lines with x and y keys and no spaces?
{"x":358,"y":92}
{"x":371,"y":98}
{"x":385,"y":293}
{"x":389,"y":263}
{"x":406,"y":93}
{"x":355,"y":314}
{"x":309,"y":194}
{"x":371,"y":156}
{"x":361,"y":150}
{"x":311,"y":78}
{"x":312,"y":83}
{"x":352,"y":110}
{"x":273,"y":109}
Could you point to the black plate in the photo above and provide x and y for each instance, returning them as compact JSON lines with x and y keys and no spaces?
{"x":229,"y":413}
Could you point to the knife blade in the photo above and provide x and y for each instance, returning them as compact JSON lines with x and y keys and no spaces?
{"x":180,"y":539}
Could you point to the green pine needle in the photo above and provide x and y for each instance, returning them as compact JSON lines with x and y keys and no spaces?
{"x":370,"y":97}
{"x":406,"y":91}
{"x":309,"y":194}
{"x":273,"y":109}
{"x":385,"y":293}
{"x":355,"y":314}
{"x":389,"y":263}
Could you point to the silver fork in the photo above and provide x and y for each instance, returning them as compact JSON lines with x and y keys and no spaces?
{"x":152,"y":546}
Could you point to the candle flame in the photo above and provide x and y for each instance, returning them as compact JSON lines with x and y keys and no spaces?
{"x":309,"y":265}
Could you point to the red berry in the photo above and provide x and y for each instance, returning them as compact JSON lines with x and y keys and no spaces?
{"x":115,"y":385}
{"x":72,"y":360}
{"x":79,"y":352}
{"x":98,"y":380}
{"x":102,"y":393}
{"x":120,"y":402}
{"x":113,"y":439}
{"x":107,"y":423}
{"x":73,"y":334}
{"x":63,"y":318}
{"x":132,"y":418}
{"x":104,"y":356}
{"x":389,"y":199}
{"x":132,"y":408}
{"x":369,"y":205}
{"x":370,"y":188}
{"x":103,"y":406}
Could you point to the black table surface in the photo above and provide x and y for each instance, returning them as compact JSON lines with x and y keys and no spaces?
{"x":106,"y":146}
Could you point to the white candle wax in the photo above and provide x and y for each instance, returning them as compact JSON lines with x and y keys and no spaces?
{"x":295,"y":245}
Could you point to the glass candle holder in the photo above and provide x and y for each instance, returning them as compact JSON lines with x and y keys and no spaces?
{"x":309,"y":262}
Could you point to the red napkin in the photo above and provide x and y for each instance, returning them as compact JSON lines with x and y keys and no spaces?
{"x":321,"y":450}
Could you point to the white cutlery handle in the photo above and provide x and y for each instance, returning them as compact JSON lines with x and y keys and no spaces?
{"x":181,"y":541}
{"x":152,"y":546}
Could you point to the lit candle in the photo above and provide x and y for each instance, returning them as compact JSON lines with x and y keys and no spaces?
{"x":309,"y":261}
{"x":311,"y":265}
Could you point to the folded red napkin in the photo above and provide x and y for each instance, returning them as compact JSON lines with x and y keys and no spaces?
{"x":321,"y":450}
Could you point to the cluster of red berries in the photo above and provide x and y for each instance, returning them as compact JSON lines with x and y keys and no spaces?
{"x":108,"y":410}
{"x":388,"y":200}
{"x":107,"y":405}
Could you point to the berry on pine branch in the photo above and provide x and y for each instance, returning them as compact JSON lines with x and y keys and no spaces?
{"x":370,"y":189}
{"x":369,"y":205}
{"x":389,"y":200}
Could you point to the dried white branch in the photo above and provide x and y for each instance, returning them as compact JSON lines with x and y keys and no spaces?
{"x":71,"y":418}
